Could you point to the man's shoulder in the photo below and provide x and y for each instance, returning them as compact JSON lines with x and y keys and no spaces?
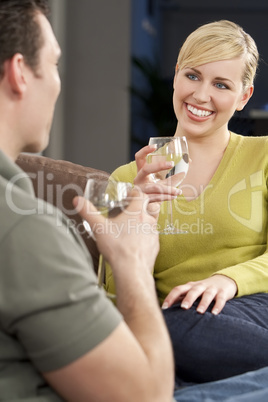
{"x":19,"y":207}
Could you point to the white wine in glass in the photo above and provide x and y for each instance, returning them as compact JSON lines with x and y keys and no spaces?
{"x":169,"y":149}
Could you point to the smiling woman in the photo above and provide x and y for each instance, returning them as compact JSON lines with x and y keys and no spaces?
{"x":219,"y":269}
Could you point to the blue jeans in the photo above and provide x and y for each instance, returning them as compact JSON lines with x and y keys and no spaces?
{"x":248,"y":387}
{"x":208,"y":347}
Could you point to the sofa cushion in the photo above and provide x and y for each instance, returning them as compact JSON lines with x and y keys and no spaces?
{"x":58,"y":182}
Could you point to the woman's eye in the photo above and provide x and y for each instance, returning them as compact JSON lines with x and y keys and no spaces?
{"x":221,"y":86}
{"x":192,"y":77}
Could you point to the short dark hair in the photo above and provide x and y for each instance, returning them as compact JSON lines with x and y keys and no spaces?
{"x":20,"y":31}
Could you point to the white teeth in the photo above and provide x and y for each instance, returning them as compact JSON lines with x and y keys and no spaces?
{"x":198,"y":112}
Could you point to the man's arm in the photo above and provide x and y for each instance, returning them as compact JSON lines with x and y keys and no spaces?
{"x":135,"y":362}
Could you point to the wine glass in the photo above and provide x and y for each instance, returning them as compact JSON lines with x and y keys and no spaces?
{"x":170,"y":149}
{"x":110,"y":198}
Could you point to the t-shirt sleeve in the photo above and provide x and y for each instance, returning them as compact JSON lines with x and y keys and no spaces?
{"x":49,"y":295}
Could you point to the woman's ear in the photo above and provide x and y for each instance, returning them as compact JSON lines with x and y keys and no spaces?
{"x":245,"y":98}
{"x":15,"y":72}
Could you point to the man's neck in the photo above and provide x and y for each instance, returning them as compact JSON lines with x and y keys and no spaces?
{"x":9,"y":150}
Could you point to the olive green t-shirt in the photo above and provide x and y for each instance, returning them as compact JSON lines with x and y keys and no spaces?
{"x":51,"y":311}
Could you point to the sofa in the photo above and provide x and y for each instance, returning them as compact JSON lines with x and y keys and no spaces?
{"x":58,"y":182}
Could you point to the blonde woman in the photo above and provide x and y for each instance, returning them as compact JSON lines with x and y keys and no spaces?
{"x":212,"y":282}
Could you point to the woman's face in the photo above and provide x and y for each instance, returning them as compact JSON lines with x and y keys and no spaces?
{"x":206,"y":97}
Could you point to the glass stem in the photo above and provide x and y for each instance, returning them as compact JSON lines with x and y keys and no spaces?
{"x":170,"y":214}
{"x":101,"y":271}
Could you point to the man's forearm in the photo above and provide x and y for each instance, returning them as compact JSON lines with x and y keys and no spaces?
{"x":137,"y":301}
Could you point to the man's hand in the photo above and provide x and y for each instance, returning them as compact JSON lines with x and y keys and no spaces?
{"x":218,"y":287}
{"x":130,"y":235}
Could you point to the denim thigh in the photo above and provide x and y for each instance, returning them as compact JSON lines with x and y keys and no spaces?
{"x":208,"y":347}
{"x":248,"y":387}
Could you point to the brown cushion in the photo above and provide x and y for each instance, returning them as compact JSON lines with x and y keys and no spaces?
{"x":58,"y":182}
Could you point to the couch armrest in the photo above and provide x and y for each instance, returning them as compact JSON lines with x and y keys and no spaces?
{"x":58,"y":182}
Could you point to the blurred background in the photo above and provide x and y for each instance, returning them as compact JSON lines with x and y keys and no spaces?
{"x":117,"y":70}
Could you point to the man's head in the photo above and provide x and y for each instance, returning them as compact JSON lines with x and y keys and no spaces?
{"x":29,"y":78}
{"x":19,"y":30}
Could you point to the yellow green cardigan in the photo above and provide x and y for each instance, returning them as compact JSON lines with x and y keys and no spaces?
{"x":226,"y":224}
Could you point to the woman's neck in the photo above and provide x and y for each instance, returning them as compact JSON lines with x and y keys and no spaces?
{"x":212,"y":145}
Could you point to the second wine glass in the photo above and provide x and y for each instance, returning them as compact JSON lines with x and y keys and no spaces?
{"x":109,"y":198}
{"x":170,"y":149}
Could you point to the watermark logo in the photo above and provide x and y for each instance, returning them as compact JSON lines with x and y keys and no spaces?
{"x":55,"y":194}
{"x":256,"y":218}
{"x":248,"y":190}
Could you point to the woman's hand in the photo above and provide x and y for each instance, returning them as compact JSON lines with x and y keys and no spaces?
{"x":157,"y":192}
{"x":218,"y":287}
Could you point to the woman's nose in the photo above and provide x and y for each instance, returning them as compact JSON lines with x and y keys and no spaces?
{"x":201,"y":93}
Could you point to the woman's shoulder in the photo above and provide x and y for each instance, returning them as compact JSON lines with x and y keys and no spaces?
{"x":249,"y":141}
{"x":126,"y":172}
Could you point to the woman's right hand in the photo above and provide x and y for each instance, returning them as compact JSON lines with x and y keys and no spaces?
{"x":157,"y":192}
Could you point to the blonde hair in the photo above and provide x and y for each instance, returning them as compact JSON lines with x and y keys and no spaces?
{"x":220,"y":40}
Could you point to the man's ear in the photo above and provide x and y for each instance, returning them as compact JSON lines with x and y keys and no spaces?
{"x":15,"y":72}
{"x":245,"y":98}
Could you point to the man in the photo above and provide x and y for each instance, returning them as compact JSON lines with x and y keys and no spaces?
{"x":60,"y":338}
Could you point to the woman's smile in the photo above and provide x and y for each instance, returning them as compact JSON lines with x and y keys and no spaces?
{"x":197,"y":113}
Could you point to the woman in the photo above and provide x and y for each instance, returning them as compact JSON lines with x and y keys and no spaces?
{"x":212,"y":281}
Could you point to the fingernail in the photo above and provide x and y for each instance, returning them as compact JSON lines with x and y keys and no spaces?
{"x":170,"y":163}
{"x":78,"y":202}
{"x":164,"y":306}
{"x":75,"y":201}
{"x":200,"y":310}
{"x":185,"y":305}
{"x":215,"y":311}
